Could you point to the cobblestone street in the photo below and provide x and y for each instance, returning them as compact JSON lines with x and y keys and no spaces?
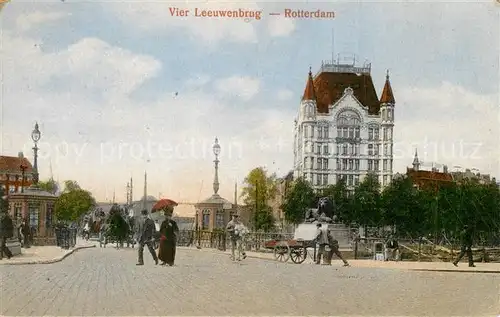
{"x":107,"y":282}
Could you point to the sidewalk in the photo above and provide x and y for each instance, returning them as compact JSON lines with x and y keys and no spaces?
{"x":401,"y":265}
{"x":45,"y":254}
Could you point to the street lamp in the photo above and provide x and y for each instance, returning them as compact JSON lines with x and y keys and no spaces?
{"x":35,"y":136}
{"x":216,"y":149}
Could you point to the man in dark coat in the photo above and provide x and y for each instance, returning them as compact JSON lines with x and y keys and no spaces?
{"x":466,"y":240}
{"x":6,"y":232}
{"x":145,"y":236}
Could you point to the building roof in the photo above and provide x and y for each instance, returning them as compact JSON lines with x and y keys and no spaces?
{"x":309,"y":93}
{"x":12,"y":164}
{"x":387,"y":95}
{"x":429,"y":175}
{"x":330,"y":86}
{"x":34,"y":191}
{"x":215,"y":199}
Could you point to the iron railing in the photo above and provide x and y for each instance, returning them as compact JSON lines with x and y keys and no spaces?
{"x":65,"y":237}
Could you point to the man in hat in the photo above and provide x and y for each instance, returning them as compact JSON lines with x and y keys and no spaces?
{"x":234,"y":227}
{"x":322,"y":240}
{"x":466,"y":239}
{"x":145,"y":236}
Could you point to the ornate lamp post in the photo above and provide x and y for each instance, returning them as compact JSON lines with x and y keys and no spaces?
{"x":216,"y":149}
{"x":35,"y":136}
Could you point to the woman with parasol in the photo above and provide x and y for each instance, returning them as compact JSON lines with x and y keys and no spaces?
{"x":168,"y":232}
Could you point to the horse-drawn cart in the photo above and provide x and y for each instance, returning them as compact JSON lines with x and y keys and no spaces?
{"x":299,"y":248}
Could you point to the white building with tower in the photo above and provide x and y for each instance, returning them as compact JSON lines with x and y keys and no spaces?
{"x":343,"y":129}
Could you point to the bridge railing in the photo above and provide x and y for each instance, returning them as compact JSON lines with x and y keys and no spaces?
{"x":255,"y":241}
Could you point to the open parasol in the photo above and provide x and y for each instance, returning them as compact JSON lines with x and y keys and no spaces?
{"x":164,"y":204}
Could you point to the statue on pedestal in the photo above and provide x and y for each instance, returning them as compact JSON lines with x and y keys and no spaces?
{"x":325,"y":211}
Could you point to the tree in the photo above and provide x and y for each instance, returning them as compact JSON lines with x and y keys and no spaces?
{"x":258,"y":190}
{"x":339,"y":194}
{"x":396,"y":202}
{"x":264,"y":220}
{"x":367,"y":202}
{"x":49,"y":186}
{"x":300,"y":197}
{"x":74,"y":202}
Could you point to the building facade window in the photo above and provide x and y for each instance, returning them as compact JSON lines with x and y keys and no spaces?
{"x":370,"y":165}
{"x":205,"y":222}
{"x":385,"y":165}
{"x":18,"y":213}
{"x":48,"y":216}
{"x":219,"y":219}
{"x":370,"y":149}
{"x":325,"y":149}
{"x":356,"y":180}
{"x":34,"y":214}
{"x":376,"y":165}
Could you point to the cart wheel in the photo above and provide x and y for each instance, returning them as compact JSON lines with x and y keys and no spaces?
{"x":298,"y":256}
{"x":281,"y":252}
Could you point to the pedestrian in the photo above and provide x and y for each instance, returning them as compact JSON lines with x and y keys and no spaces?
{"x":168,"y":239}
{"x":466,"y":248}
{"x":322,"y":240}
{"x":334,"y":249}
{"x":6,"y":232}
{"x":236,"y":229}
{"x":392,"y":249}
{"x":103,"y":228}
{"x":145,"y":235}
{"x":25,"y":229}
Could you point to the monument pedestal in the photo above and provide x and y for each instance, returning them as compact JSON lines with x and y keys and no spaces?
{"x":14,"y":246}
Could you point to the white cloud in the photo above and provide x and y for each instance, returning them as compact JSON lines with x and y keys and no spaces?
{"x":30,"y":20}
{"x":284,"y":95}
{"x":89,"y":65}
{"x":154,"y":16}
{"x":242,"y":87}
{"x":449,"y":125}
{"x":280,"y":26}
{"x":92,"y":129}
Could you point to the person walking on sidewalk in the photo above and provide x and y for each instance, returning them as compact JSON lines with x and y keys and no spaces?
{"x":334,"y":249}
{"x":168,"y":239}
{"x":466,"y":240}
{"x":6,"y":232}
{"x":322,"y":240}
{"x":145,"y":236}
{"x":234,"y":228}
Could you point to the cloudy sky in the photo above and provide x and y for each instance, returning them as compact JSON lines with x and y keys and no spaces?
{"x":120,"y":87}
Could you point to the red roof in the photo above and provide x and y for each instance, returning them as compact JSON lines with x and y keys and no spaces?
{"x":309,"y":93}
{"x":12,"y":164}
{"x":430,"y":175}
{"x":330,"y":88}
{"x":387,"y":95}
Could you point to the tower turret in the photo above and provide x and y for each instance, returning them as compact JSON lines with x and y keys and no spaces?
{"x":308,"y":104}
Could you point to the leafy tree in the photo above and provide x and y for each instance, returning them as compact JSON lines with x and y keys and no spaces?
{"x":300,"y":197}
{"x":259,"y":188}
{"x":264,"y":220}
{"x":49,"y":186}
{"x":396,"y":203}
{"x":366,"y":202}
{"x":74,"y":202}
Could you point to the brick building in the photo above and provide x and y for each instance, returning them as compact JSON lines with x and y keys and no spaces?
{"x":11,"y":174}
{"x":433,"y":178}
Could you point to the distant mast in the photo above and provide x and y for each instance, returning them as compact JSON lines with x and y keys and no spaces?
{"x":144,"y":200}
